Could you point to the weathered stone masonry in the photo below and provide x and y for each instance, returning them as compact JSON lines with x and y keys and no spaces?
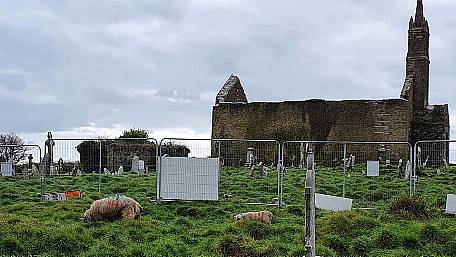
{"x":407,"y":119}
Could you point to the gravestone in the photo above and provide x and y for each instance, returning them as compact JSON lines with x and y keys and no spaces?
{"x":400,"y":167}
{"x":250,"y":159}
{"x":408,"y":170}
{"x":53,"y":170}
{"x":141,"y":168}
{"x":373,"y":168}
{"x":120,"y":170}
{"x":35,"y":171}
{"x":135,"y":164}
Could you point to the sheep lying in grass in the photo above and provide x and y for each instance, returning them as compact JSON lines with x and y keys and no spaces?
{"x":115,"y":207}
{"x":262,"y":216}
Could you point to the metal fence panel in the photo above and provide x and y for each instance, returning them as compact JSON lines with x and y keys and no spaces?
{"x":341,"y":170}
{"x":249,"y":167}
{"x":435,"y":170}
{"x":25,"y":164}
{"x":101,"y":166}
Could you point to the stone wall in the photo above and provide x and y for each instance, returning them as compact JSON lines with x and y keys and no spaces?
{"x":351,"y":120}
{"x":319,"y":120}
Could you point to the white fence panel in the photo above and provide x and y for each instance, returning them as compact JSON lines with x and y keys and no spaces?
{"x":189,"y":179}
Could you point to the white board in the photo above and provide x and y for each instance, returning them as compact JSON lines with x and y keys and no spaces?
{"x":7,"y":169}
{"x":141,"y":168}
{"x":451,"y":204}
{"x":373,"y":168}
{"x":183,"y":178}
{"x":333,"y":203}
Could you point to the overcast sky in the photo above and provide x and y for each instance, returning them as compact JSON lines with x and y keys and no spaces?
{"x":87,"y":68}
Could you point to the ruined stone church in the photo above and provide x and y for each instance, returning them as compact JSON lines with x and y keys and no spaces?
{"x":409,"y":118}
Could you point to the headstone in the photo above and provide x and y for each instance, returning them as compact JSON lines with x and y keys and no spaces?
{"x":408,"y":170}
{"x":135,"y":164}
{"x":75,"y":169}
{"x":53,"y":170}
{"x":250,"y":159}
{"x":106,"y":171}
{"x":262,"y":169}
{"x":35,"y":171}
{"x":78,"y":172}
{"x":445,"y":163}
{"x":60,"y":166}
{"x":120,"y":170}
{"x":450,"y":204}
{"x":302,"y":153}
{"x":333,"y":203}
{"x":400,"y":167}
{"x":141,"y":168}
{"x":7,"y":169}
{"x":373,"y":168}
{"x":426,"y":161}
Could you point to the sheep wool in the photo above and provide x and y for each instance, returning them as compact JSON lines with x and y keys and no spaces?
{"x":115,"y":207}
{"x":262,"y":216}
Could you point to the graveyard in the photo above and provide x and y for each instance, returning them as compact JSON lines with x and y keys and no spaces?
{"x":393,"y":225}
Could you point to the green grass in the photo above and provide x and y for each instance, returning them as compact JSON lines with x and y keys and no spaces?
{"x":31,"y":227}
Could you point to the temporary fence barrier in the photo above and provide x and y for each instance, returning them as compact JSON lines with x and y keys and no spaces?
{"x":371,"y":173}
{"x":248,"y":172}
{"x":435,"y":170}
{"x":101,"y":166}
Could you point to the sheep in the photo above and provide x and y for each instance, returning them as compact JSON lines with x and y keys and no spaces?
{"x":261,"y":216}
{"x":115,"y":207}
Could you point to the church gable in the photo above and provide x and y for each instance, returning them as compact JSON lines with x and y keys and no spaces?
{"x":232,"y":92}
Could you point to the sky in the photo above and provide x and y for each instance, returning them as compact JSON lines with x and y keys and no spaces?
{"x":85,"y":69}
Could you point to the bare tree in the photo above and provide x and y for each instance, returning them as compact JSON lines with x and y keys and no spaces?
{"x":11,"y":148}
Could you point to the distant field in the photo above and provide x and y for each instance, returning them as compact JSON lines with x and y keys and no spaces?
{"x":31,"y":227}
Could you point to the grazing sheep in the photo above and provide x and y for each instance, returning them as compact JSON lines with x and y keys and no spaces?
{"x":115,"y":207}
{"x":262,"y":216}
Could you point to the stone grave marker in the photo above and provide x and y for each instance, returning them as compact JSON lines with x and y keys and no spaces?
{"x":141,"y":169}
{"x":135,"y":164}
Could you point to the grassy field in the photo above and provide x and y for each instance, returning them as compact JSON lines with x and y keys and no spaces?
{"x":31,"y":227}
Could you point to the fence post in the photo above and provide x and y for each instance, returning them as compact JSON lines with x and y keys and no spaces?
{"x":280,"y":170}
{"x":345,"y":169}
{"x":99,"y":170}
{"x":310,"y":205}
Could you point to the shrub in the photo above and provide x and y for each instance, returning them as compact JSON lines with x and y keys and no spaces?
{"x":256,"y":230}
{"x":232,"y":246}
{"x":409,"y":207}
{"x":296,"y":210}
{"x":361,"y":246}
{"x":431,"y":234}
{"x":337,"y":243}
{"x":386,"y":239}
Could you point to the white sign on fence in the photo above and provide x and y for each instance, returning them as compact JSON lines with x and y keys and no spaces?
{"x":183,"y":178}
{"x":373,"y":168}
{"x":7,"y":169}
{"x":333,"y":203}
{"x":451,"y":204}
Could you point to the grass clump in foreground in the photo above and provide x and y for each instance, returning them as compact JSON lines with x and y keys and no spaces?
{"x":396,"y":227}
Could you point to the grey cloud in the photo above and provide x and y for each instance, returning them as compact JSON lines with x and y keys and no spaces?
{"x":154,"y":64}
